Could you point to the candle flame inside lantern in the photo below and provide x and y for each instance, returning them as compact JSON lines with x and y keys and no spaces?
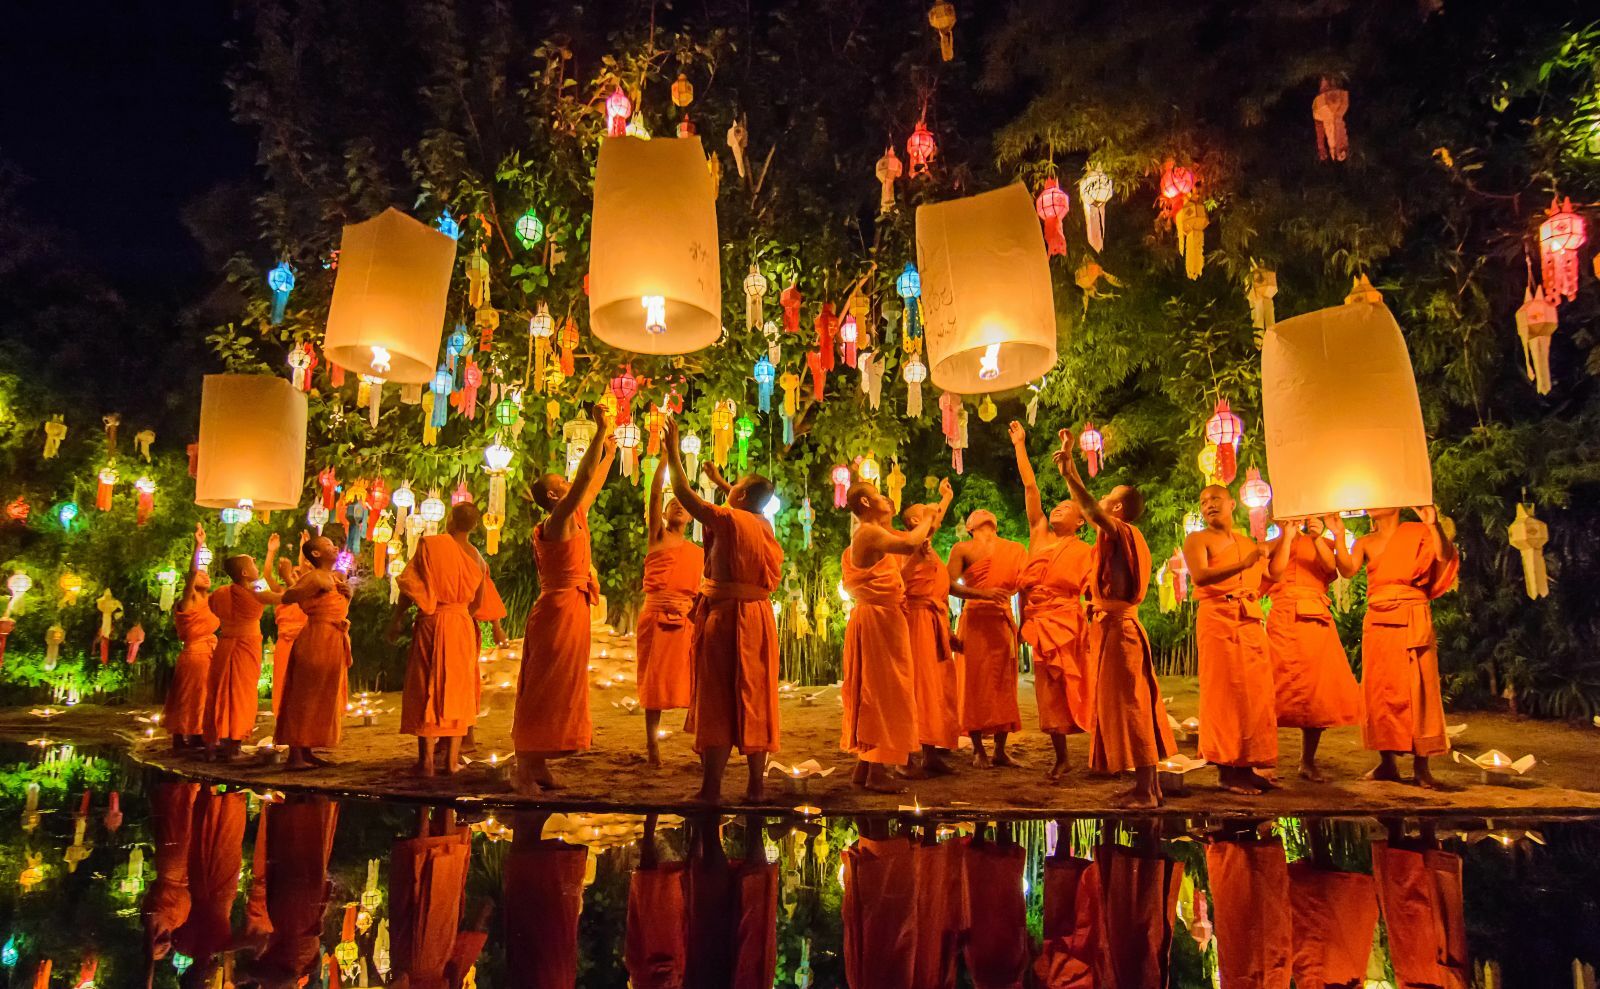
{"x":655,"y":313}
{"x":989,"y":365}
{"x":380,"y":359}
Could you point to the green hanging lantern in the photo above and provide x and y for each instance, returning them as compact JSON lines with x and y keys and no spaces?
{"x":506,"y":412}
{"x":530,"y":229}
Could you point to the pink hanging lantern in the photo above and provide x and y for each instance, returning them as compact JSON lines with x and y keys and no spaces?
{"x":1560,"y":236}
{"x":1257,"y":495}
{"x":1177,"y":183}
{"x":847,"y":338}
{"x":624,"y":386}
{"x":1092,"y":444}
{"x":921,"y":148}
{"x":1052,"y":204}
{"x":1224,"y":430}
{"x":841,"y":484}
{"x":618,"y":109}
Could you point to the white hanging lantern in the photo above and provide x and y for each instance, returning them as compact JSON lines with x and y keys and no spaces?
{"x":655,"y":281}
{"x":986,"y":296}
{"x":252,"y":442}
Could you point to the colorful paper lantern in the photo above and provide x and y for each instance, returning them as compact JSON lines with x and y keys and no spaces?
{"x":1537,"y":321}
{"x":1560,"y":235}
{"x":1177,"y":183}
{"x":841,"y":484}
{"x":942,"y":18}
{"x":1052,"y":205}
{"x":1528,"y":536}
{"x":252,"y":442}
{"x":445,"y":224}
{"x":1328,"y":108}
{"x":921,"y":148}
{"x":530,"y":229}
{"x":765,"y":374}
{"x":618,"y":109}
{"x":1225,"y":431}
{"x":107,"y":482}
{"x":887,"y":170}
{"x":1092,"y":443}
{"x":66,"y":514}
{"x":755,"y":289}
{"x":744,"y":428}
{"x":281,"y":281}
{"x":1095,"y":189}
{"x":1256,"y":494}
{"x":145,"y":489}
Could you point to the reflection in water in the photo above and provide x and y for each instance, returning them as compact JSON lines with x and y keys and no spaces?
{"x":203,"y":886}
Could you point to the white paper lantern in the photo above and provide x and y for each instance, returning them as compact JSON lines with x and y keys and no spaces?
{"x":388,"y":308}
{"x":252,"y":442}
{"x":655,"y":278}
{"x":1344,"y":426}
{"x":986,"y":298}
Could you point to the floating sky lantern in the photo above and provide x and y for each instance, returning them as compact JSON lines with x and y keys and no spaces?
{"x":1052,"y":205}
{"x":1095,"y":189}
{"x":252,"y":445}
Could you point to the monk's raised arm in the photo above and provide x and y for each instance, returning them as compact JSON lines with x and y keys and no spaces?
{"x":1278,"y":561}
{"x":681,"y":488}
{"x":1030,"y":482}
{"x":653,"y":507}
{"x":1068,"y":466}
{"x":1348,"y":560}
{"x":591,"y":473}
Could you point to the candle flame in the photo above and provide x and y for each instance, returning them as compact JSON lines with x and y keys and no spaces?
{"x":380,"y":359}
{"x":655,"y":313}
{"x":989,"y":365}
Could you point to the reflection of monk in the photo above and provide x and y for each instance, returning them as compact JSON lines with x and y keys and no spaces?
{"x":732,"y":911}
{"x":879,"y":909}
{"x":654,"y":947}
{"x":1419,"y":891}
{"x":1333,"y":914}
{"x":941,"y":911}
{"x":299,"y":837}
{"x":215,"y":858}
{"x":985,"y":571}
{"x":1249,"y":884}
{"x":167,"y":902}
{"x":427,"y":886}
{"x":1072,"y":952}
{"x":997,"y":938}
{"x":543,"y":896}
{"x":1139,"y":901}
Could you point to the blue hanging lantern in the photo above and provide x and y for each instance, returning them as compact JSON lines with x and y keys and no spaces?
{"x":456,"y":346}
{"x":764,"y":374}
{"x":909,"y":287}
{"x":447,"y":225}
{"x":443,"y":384}
{"x":8,"y":954}
{"x":66,"y":514}
{"x":281,"y":281}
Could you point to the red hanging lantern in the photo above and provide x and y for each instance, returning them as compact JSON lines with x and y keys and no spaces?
{"x":102,"y":495}
{"x":921,"y":148}
{"x":18,"y":509}
{"x":825,"y":322}
{"x":1257,"y":495}
{"x":1052,"y":205}
{"x":841,"y":484}
{"x":624,"y":386}
{"x":329,"y":483}
{"x":1224,"y":430}
{"x":1177,"y":183}
{"x":790,"y":299}
{"x":1560,"y":236}
{"x":146,"y":489}
{"x":1180,"y":574}
{"x":1091,"y":443}
{"x":848,"y":333}
{"x":618,"y":109}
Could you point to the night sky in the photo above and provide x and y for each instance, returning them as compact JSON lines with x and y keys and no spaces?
{"x":118,"y":114}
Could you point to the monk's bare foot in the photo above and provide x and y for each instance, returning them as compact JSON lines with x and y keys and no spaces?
{"x":1003,"y":760}
{"x":1425,"y":779}
{"x":1126,"y":793}
{"x":755,"y":794}
{"x":937,"y":765}
{"x":316,"y":760}
{"x":1309,"y":771}
{"x":912,"y":772}
{"x":1262,"y":782}
{"x":422,"y":768}
{"x":878,"y":785}
{"x":1058,"y":770}
{"x":1139,"y":800}
{"x":653,"y":755}
{"x":1241,"y":789}
{"x":1384,"y":772}
{"x":526,"y":785}
{"x":980,"y":760}
{"x":704,"y":796}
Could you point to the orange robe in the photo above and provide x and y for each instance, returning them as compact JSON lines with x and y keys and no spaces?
{"x":989,"y":643}
{"x":427,"y":887}
{"x":1054,"y":625}
{"x":1138,"y":902}
{"x":666,"y":636}
{"x":655,"y":940}
{"x":879,"y":912}
{"x":735,"y":694}
{"x":732,"y":924}
{"x":167,"y":903}
{"x":1130,"y":722}
{"x":1249,"y":884}
{"x":1333,"y":915}
{"x":996,"y":949}
{"x":941,"y":913}
{"x":1238,"y":726}
{"x":543,"y":896}
{"x":185,"y":710}
{"x":879,"y":688}
{"x":452,"y":591}
{"x":216,"y":854}
{"x":315,"y":688}
{"x":235,"y":666}
{"x":1310,"y":672}
{"x":1420,"y":895}
{"x":927,"y":581}
{"x":1071,"y":956}
{"x":1402,"y":710}
{"x":553,"y":689}
{"x":299,"y":837}
{"x":290,"y":620}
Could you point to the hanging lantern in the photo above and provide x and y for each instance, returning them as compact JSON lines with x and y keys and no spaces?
{"x":445,"y":224}
{"x":71,"y":586}
{"x":624,"y":386}
{"x":317,"y":516}
{"x":987,"y":409}
{"x":389,"y":296}
{"x":755,"y":287}
{"x":1260,"y":288}
{"x":1052,"y":204}
{"x":1206,"y":462}
{"x":888,"y":170}
{"x":432,"y":510}
{"x":790,"y":299}
{"x":841,"y":484}
{"x":1193,"y":522}
{"x":1091,"y":443}
{"x":1560,"y":236}
{"x":618,"y":109}
{"x":1328,"y":108}
{"x":1095,"y":189}
{"x":66,"y":514}
{"x":281,"y":281}
{"x":203,"y":557}
{"x":1257,"y":495}
{"x":653,"y":244}
{"x":744,"y":428}
{"x":146,"y":490}
{"x":628,"y":445}
{"x":765,"y":374}
{"x":847,"y":338}
{"x":107,"y":483}
{"x":915,"y":372}
{"x":577,"y":433}
{"x":1537,"y":320}
{"x":1191,"y":223}
{"x":506,"y":412}
{"x":486,"y":321}
{"x":252,"y":446}
{"x":17,"y":510}
{"x":689,"y":446}
{"x":739,"y":144}
{"x":530,"y":229}
{"x":921,"y":148}
{"x":1225,"y":431}
{"x":722,"y":431}
{"x":908,"y":285}
{"x":1344,"y":434}
{"x":868,"y":470}
{"x":477,"y":271}
{"x":1177,"y":183}
{"x":682,"y":91}
{"x":991,"y":323}
{"x":1528,"y":536}
{"x":942,"y":18}
{"x":19,"y":584}
{"x":302,"y":358}
{"x":496,"y":460}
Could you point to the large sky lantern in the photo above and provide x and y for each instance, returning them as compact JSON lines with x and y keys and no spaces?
{"x":655,"y":281}
{"x":1343,"y":423}
{"x":388,"y":309}
{"x":986,"y":300}
{"x":252,"y":448}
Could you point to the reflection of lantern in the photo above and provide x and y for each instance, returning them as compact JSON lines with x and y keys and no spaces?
{"x":765,"y":374}
{"x":1257,"y":495}
{"x":618,"y":109}
{"x":654,"y":236}
{"x":107,"y":479}
{"x":1560,"y":236}
{"x":942,"y":18}
{"x":1091,"y":443}
{"x":1224,"y":430}
{"x":921,"y":149}
{"x":1052,"y":204}
{"x":1095,"y":190}
{"x":1342,"y":434}
{"x":146,"y":490}
{"x":252,"y":442}
{"x":530,"y":229}
{"x":755,"y":288}
{"x":841,"y":484}
{"x":991,"y":323}
{"x":388,"y":307}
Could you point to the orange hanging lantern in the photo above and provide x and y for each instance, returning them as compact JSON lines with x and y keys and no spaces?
{"x":942,"y":18}
{"x":1560,"y":236}
{"x":1052,"y":204}
{"x":1092,"y":444}
{"x":1177,"y":183}
{"x":1257,"y":495}
{"x":921,"y":148}
{"x":1224,"y":430}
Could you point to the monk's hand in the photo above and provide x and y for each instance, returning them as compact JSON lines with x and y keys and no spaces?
{"x":1252,"y":554}
{"x":199,"y":534}
{"x":1015,"y":431}
{"x":1335,"y":523}
{"x":672,"y":432}
{"x":947,"y":493}
{"x":602,"y":420}
{"x":1428,"y":514}
{"x":305,"y":536}
{"x":273,"y":541}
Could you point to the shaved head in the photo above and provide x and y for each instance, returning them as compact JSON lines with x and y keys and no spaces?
{"x":464,"y":517}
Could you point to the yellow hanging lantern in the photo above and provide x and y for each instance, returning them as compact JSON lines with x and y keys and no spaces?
{"x":1536,"y":324}
{"x":1191,"y":222}
{"x":1528,"y":536}
{"x":1207,"y":462}
{"x":722,"y":431}
{"x":71,"y":586}
{"x":252,"y":445}
{"x":942,"y":18}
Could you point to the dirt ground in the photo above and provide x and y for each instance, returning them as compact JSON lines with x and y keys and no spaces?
{"x":376,"y":760}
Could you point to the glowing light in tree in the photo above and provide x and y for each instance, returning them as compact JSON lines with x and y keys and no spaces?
{"x":1092,"y":444}
{"x":1224,"y":430}
{"x":66,"y":514}
{"x":1560,"y":236}
{"x":1257,"y":495}
{"x":530,"y":229}
{"x":447,"y":225}
{"x":1052,"y":205}
{"x":765,"y":374}
{"x":841,"y":485}
{"x":281,"y":281}
{"x":1095,"y":189}
{"x":1177,"y":183}
{"x":618,"y":109}
{"x":921,"y":148}
{"x":755,"y":289}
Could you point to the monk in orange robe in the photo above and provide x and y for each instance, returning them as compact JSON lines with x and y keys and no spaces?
{"x":996,"y":949}
{"x":543,"y":897}
{"x":216,"y":856}
{"x":1311,"y":676}
{"x":449,"y":584}
{"x":427,"y":889}
{"x":167,"y":902}
{"x":732,"y":910}
{"x":1053,"y":621}
{"x":1130,"y":722}
{"x":299,"y":838}
{"x":1238,"y":729}
{"x":673,"y":566}
{"x":1333,"y":915}
{"x":933,"y":668}
{"x":1408,"y":565}
{"x":985,"y":571}
{"x":941,"y":910}
{"x":236,"y":664}
{"x":655,"y":944}
{"x":879,"y":909}
{"x":1249,"y":884}
{"x":735,"y":637}
{"x":1139,"y":901}
{"x":184,"y":713}
{"x":879,"y":683}
{"x":1072,"y":953}
{"x":315,"y":688}
{"x":288,"y":619}
{"x":552,"y":716}
{"x":1419,"y":892}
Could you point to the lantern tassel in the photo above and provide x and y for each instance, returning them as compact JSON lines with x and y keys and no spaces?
{"x":1094,"y":222}
{"x":764,"y":396}
{"x":914,"y":399}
